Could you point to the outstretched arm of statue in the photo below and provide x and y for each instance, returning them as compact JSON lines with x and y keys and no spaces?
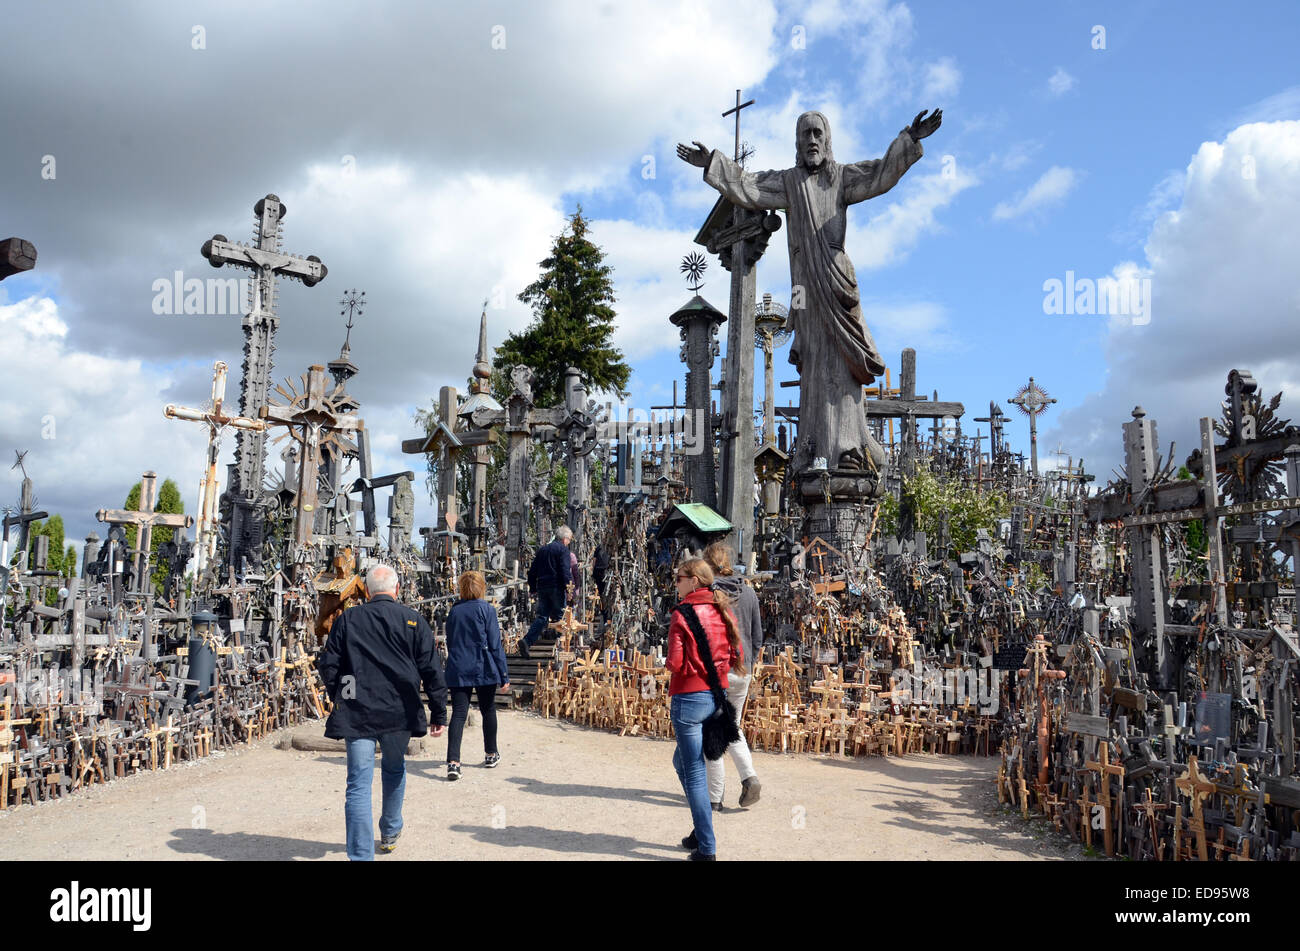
{"x":698,"y":156}
{"x":757,"y":190}
{"x":922,"y":127}
{"x":863,"y":180}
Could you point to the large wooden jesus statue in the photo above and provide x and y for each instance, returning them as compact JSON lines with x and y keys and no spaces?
{"x":832,"y":347}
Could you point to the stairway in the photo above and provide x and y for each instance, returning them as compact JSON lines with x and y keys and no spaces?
{"x":523,"y":673}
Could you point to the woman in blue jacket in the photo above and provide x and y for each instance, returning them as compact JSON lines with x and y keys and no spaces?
{"x":476,"y":664}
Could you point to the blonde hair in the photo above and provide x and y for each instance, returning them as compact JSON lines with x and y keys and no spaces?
{"x":720,"y":556}
{"x":701,"y":571}
{"x":472,"y":585}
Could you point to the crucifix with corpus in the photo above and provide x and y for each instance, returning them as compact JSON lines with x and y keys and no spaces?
{"x":145,"y":519}
{"x":216,"y":419}
{"x":313,"y":419}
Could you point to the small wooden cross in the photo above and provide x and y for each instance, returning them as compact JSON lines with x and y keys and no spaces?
{"x":1196,"y":787}
{"x":1104,"y":770}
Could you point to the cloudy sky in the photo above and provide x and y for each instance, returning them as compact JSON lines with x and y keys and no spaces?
{"x":429,"y":152}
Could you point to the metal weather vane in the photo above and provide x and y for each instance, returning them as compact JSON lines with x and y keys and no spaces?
{"x":353,"y":303}
{"x":693,"y":266}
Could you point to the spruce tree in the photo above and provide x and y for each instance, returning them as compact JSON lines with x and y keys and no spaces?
{"x":169,"y":501}
{"x":573,"y":322}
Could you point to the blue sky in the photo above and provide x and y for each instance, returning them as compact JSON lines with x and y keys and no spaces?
{"x":1127,"y":125}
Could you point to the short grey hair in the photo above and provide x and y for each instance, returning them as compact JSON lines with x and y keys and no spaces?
{"x":563,"y":532}
{"x":381,"y":579}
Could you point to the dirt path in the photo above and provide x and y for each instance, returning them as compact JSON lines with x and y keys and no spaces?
{"x":561,"y":792}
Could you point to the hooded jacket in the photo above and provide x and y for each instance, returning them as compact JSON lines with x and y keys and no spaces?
{"x":749,"y":619}
{"x":683,"y":660}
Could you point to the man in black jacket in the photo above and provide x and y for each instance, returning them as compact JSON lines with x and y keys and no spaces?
{"x":377,"y":655}
{"x":549,"y":577}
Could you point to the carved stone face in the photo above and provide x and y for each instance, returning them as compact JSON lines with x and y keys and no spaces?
{"x":813,"y":145}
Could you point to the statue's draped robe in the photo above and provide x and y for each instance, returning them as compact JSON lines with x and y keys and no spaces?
{"x":832,"y":347}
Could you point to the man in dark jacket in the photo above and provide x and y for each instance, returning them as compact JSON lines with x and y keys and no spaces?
{"x":377,"y":655}
{"x":749,"y":621}
{"x":549,"y":577}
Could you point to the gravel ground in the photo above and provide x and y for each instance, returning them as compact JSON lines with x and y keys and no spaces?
{"x":561,"y":792}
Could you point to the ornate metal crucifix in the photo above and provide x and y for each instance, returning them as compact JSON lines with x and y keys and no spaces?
{"x":1033,"y":401}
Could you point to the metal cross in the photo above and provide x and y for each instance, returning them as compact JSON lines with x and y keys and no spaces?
{"x":736,"y":109}
{"x":1032,"y":401}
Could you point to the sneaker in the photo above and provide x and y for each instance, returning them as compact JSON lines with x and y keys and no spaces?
{"x":389,"y":842}
{"x":698,"y":856}
{"x":522,"y":650}
{"x":717,"y":806}
{"x":453,"y":772}
{"x":749,"y":791}
{"x":690,"y":843}
{"x":491,"y":760}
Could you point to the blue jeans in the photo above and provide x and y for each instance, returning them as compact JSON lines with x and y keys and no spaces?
{"x":688,"y":712}
{"x":550,"y":607}
{"x":361,"y":770}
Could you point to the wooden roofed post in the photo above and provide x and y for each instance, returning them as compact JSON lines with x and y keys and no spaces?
{"x":697,"y":322}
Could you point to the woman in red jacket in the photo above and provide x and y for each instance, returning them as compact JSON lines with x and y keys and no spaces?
{"x":692,"y":701}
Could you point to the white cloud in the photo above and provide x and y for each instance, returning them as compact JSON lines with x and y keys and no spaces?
{"x":1050,"y":189}
{"x":1222,"y":272}
{"x":1060,"y":82}
{"x":92,"y":424}
{"x":1275,"y":108}
{"x":942,"y":79}
{"x":890,"y":234}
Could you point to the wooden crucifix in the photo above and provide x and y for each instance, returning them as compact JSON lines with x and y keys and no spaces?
{"x":1104,"y":769}
{"x":1195,"y":786}
{"x":216,"y":419}
{"x":1042,"y":672}
{"x":145,"y":519}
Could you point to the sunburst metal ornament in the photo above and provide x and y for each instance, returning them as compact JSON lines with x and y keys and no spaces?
{"x":1031,"y":399}
{"x":693,"y":266}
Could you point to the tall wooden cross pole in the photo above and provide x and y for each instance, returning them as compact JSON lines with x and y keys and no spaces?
{"x":216,"y":419}
{"x":908,"y":407}
{"x":739,"y":237}
{"x":1033,"y":401}
{"x":267,"y":262}
{"x":145,"y":519}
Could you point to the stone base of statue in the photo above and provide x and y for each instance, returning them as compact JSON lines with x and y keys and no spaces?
{"x":838,"y":509}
